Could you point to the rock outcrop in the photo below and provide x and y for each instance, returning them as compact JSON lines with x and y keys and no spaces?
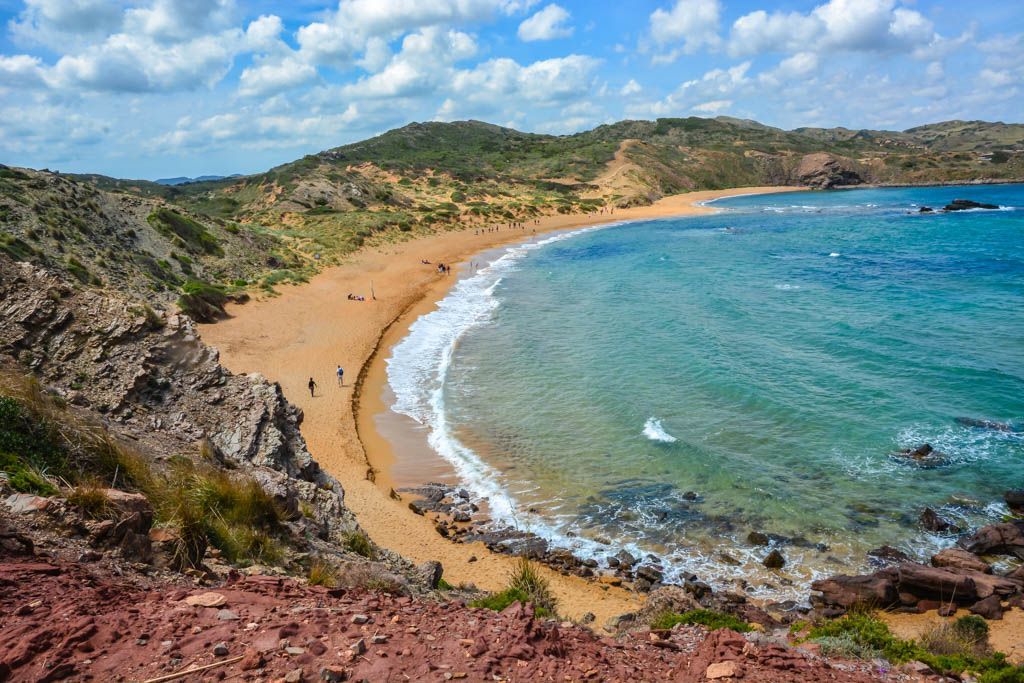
{"x":825,"y":171}
{"x":157,"y":386}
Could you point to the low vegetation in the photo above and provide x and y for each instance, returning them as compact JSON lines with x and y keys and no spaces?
{"x":46,"y":447}
{"x":709,"y":619}
{"x":526,"y":585}
{"x":951,"y":647}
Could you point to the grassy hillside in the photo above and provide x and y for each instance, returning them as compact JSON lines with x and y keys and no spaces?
{"x":260,"y":230}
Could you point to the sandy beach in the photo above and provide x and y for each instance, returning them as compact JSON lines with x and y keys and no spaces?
{"x":310,"y":329}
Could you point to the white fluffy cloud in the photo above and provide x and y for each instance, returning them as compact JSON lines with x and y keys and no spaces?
{"x":837,"y":25}
{"x":274,"y":75}
{"x":691,"y":23}
{"x":547,"y":24}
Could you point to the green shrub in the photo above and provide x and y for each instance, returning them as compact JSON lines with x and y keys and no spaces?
{"x":359,"y":543}
{"x":710,"y":619}
{"x":184,"y":231}
{"x":202,"y":301}
{"x":322,"y":573}
{"x":527,"y":578}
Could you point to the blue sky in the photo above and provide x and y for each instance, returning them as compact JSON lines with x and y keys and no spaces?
{"x":155,"y":88}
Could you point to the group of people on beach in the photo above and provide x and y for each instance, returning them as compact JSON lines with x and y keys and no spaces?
{"x":340,"y":372}
{"x":355,"y":297}
{"x":513,"y":225}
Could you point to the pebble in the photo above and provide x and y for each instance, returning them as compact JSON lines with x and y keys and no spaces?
{"x":359,"y":647}
{"x":220,"y":649}
{"x":294,"y":676}
{"x":295,"y":650}
{"x":227,"y":615}
{"x":360,"y":619}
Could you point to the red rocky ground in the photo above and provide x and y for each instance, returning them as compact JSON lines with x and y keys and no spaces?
{"x":65,"y":620}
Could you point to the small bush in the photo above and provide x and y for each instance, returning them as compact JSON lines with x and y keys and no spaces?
{"x":709,"y":619}
{"x":202,"y":301}
{"x":359,"y":543}
{"x":91,"y":499}
{"x":184,"y":231}
{"x":322,"y":573}
{"x":526,"y":578}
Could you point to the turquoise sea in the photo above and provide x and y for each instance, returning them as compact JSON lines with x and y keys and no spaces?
{"x":673,"y":385}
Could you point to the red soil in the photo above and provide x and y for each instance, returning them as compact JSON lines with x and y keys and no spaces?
{"x":64,"y":620}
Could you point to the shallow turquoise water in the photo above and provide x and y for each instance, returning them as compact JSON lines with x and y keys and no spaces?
{"x":769,"y":359}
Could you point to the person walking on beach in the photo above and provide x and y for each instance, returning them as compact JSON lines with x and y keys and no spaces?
{"x":312,"y":388}
{"x":341,"y":376}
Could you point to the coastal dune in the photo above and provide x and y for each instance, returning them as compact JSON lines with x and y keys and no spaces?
{"x":309,"y":330}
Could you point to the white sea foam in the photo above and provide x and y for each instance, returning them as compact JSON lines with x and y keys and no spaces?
{"x":787,"y":287}
{"x":835,"y":254}
{"x":419,"y":365}
{"x":655,"y":432}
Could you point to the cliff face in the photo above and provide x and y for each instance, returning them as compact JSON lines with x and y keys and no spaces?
{"x":157,"y":385}
{"x":825,"y":171}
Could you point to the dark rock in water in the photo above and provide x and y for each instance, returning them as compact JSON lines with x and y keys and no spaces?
{"x":965,"y":204}
{"x":874,"y":590}
{"x":650,"y":574}
{"x":956,"y":558}
{"x":997,"y":539}
{"x":922,"y":451}
{"x":757,"y":538}
{"x":1015,"y":501}
{"x":612,"y":561}
{"x":887,"y":554}
{"x":923,"y":456}
{"x":985,"y":424}
{"x":931,"y":582}
{"x":774,"y":560}
{"x":931,"y":521}
{"x":729,"y":559}
{"x":626,"y":559}
{"x":697,"y":589}
{"x":926,"y":209}
{"x":690,"y":495}
{"x":989,"y":608}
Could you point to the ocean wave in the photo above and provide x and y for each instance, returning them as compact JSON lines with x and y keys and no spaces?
{"x":786,"y":287}
{"x":655,"y":432}
{"x":834,"y":254}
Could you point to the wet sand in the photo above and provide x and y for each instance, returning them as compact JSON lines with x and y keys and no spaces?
{"x":310,"y":329}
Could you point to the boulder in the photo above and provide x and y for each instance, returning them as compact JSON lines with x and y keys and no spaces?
{"x":957,"y":558}
{"x":932,"y":582}
{"x":997,"y":539}
{"x":774,"y":560}
{"x":674,"y":599}
{"x":965,"y":204}
{"x":886,"y":554}
{"x":429,"y":573}
{"x":873,"y":590}
{"x":757,"y":538}
{"x":1015,"y":501}
{"x":989,"y":608}
{"x":931,"y":521}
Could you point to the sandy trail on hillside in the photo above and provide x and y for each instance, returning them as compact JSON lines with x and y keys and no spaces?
{"x":309,"y":329}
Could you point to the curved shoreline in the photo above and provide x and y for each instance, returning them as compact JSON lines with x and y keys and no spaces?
{"x":309,"y":329}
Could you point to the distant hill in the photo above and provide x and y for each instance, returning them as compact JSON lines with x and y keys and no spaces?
{"x":289,"y":221}
{"x":181,"y":180}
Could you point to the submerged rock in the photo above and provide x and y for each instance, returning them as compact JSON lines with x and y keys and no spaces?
{"x":774,"y":560}
{"x":931,"y":521}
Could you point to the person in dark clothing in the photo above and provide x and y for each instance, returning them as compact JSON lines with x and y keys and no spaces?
{"x":312,"y":388}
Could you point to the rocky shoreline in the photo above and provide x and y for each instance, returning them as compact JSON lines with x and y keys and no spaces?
{"x":958,"y":576}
